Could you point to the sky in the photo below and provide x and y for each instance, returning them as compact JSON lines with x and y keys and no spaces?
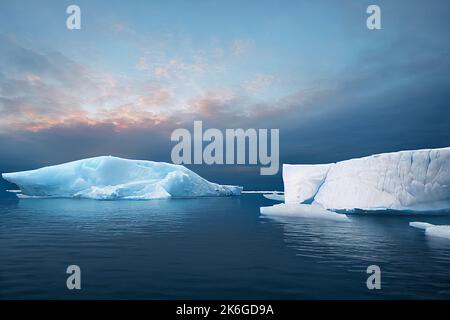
{"x":138,"y":69}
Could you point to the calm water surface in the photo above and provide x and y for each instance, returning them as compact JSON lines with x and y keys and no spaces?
{"x":212,"y":248}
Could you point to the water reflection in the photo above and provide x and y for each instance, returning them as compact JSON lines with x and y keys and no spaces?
{"x":407,"y":257}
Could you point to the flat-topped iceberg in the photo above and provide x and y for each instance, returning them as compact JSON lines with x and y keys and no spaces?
{"x":116,"y":178}
{"x":405,"y":180}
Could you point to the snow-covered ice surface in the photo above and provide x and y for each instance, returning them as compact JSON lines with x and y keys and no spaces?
{"x":302,"y":210}
{"x":116,"y":178}
{"x":432,"y":230}
{"x":407,"y":180}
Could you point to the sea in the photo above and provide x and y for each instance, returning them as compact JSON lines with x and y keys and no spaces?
{"x":213,"y":248}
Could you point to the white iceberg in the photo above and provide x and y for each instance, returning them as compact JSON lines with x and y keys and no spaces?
{"x":405,"y":180}
{"x":433,"y":230}
{"x":116,"y":178}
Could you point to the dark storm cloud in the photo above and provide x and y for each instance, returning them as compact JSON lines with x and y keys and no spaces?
{"x":391,"y":99}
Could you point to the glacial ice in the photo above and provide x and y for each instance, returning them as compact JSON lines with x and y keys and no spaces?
{"x":110,"y":177}
{"x":405,"y":180}
{"x":432,"y":230}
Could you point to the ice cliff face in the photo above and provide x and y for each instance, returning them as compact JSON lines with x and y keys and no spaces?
{"x":301,"y":182}
{"x":405,"y":180}
{"x":116,"y":178}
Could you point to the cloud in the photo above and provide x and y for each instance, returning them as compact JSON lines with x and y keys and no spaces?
{"x":48,"y":90}
{"x":142,"y":64}
{"x":178,"y":70}
{"x":260,"y":82}
{"x":240,"y":47}
{"x":41,"y":90}
{"x":44,"y":90}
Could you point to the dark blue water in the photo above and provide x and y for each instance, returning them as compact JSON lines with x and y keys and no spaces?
{"x":211,"y":248}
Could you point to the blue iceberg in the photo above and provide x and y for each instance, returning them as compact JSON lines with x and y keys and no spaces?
{"x":110,"y":178}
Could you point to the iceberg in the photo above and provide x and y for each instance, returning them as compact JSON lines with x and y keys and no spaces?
{"x":112,"y":178}
{"x":432,"y":230}
{"x":406,"y":180}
